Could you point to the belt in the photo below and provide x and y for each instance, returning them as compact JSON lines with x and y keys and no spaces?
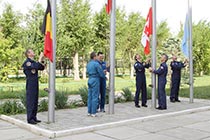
{"x":94,"y":75}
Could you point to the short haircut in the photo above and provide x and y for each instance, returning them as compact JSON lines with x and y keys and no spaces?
{"x":27,"y":51}
{"x":99,"y":53}
{"x":92,"y":55}
{"x":166,"y":57}
{"x":135,"y":57}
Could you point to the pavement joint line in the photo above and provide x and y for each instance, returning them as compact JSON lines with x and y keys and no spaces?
{"x":60,"y":133}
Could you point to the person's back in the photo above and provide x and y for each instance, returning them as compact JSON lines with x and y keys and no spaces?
{"x":140,"y":70}
{"x":176,"y":68}
{"x":139,"y":67}
{"x":92,"y":69}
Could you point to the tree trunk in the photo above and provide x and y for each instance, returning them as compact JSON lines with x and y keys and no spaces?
{"x":131,"y":67}
{"x":201,"y":73}
{"x":61,"y":67}
{"x":132,"y":70}
{"x":76,"y":66}
{"x":84,"y":68}
{"x":116,"y":68}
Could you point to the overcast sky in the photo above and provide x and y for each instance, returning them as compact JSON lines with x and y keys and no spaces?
{"x":173,"y":11}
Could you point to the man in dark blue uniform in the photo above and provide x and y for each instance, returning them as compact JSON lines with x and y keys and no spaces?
{"x":95,"y":72}
{"x":175,"y":78}
{"x":140,"y":66}
{"x":162,"y":74}
{"x":102,"y":95}
{"x":30,"y":69}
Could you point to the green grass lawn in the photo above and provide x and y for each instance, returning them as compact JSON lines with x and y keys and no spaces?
{"x":69,"y":86}
{"x":201,"y":88}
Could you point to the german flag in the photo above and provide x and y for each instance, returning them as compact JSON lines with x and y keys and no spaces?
{"x":47,"y":31}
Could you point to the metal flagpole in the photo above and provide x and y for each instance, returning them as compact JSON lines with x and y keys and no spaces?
{"x":190,"y":49}
{"x":51,"y":96}
{"x":112,"y":58}
{"x":153,"y":53}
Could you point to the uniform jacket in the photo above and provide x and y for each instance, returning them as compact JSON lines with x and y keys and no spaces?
{"x":176,"y":68}
{"x":140,"y":70}
{"x":94,"y":72}
{"x":30,"y":69}
{"x":162,"y":72}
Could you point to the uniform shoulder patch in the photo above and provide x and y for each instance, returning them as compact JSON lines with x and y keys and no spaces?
{"x":28,"y":64}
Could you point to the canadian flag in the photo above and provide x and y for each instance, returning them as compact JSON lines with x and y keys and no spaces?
{"x":147,"y":32}
{"x":108,"y":4}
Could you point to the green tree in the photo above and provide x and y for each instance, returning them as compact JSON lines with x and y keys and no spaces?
{"x":10,"y":38}
{"x":101,"y":25}
{"x":132,"y":36}
{"x":163,"y":35}
{"x":74,"y":32}
{"x":102,"y":34}
{"x":201,"y":47}
{"x":10,"y":25}
{"x":121,"y":35}
{"x":33,"y":38}
{"x":172,"y":46}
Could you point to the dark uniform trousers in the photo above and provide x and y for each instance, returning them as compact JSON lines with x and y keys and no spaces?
{"x":175,"y":79}
{"x":102,"y":98}
{"x":32,"y":87}
{"x":140,"y":82}
{"x":102,"y":95}
{"x":162,"y":73}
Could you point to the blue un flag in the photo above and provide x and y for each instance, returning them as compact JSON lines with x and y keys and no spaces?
{"x":186,"y":38}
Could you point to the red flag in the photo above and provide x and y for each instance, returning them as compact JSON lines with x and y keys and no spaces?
{"x":47,"y":31}
{"x":147,"y":32}
{"x":108,"y":6}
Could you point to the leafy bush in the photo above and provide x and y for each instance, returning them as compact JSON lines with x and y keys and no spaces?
{"x":61,"y":100}
{"x":11,"y":108}
{"x":43,"y":105}
{"x":149,"y":94}
{"x":75,"y":104}
{"x":127,"y":94}
{"x":83,"y":91}
{"x":43,"y":79}
{"x":119,"y":99}
{"x":22,"y":98}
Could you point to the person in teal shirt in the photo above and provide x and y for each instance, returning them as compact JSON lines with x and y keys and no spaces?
{"x":95,"y":72}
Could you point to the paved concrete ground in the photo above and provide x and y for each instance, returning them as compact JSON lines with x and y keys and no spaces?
{"x":128,"y":123}
{"x":185,"y":127}
{"x":9,"y":131}
{"x":76,"y":118}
